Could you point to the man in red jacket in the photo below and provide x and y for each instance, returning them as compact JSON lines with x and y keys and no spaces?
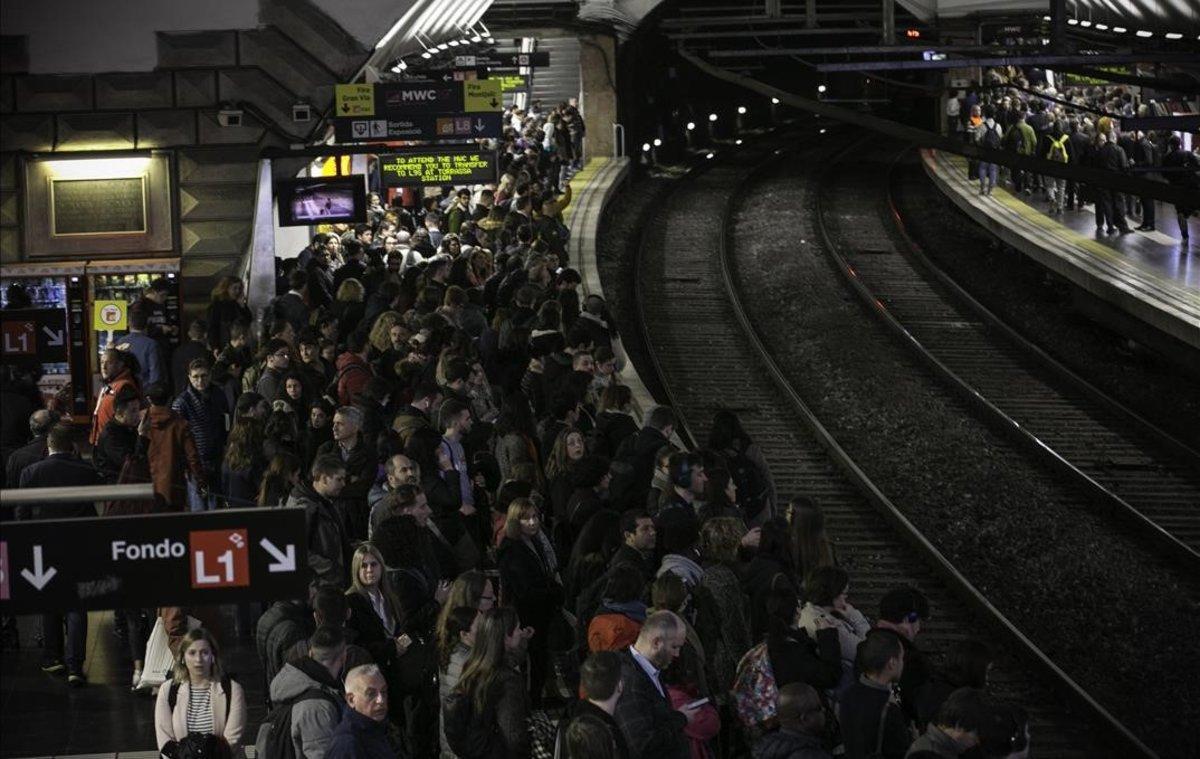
{"x":116,"y":370}
{"x":353,"y":371}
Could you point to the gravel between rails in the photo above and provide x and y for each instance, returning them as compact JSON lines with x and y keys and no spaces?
{"x":1122,"y":624}
{"x":1021,"y":293}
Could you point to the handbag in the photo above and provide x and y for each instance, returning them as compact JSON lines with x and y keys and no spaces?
{"x":159,"y":661}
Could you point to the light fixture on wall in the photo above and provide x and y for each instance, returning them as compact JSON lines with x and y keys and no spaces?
{"x":230,"y":116}
{"x":301,"y":113}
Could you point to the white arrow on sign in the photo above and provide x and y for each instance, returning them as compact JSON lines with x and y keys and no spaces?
{"x":56,"y":337}
{"x":479,"y":125}
{"x":285,"y":561}
{"x":38,"y":578}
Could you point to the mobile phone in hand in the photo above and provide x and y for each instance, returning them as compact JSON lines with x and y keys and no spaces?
{"x":696,"y":704}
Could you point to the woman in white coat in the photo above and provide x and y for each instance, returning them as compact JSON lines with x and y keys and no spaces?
{"x":199,"y":698}
{"x":825,"y":602}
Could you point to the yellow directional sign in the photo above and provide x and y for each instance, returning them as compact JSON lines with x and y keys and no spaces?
{"x":482,"y":95}
{"x":354,"y":100}
{"x":510,"y":82}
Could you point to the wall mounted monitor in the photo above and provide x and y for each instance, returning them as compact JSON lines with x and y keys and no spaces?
{"x":322,"y":200}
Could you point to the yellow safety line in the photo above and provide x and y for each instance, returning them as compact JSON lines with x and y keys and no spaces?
{"x":1032,"y":215}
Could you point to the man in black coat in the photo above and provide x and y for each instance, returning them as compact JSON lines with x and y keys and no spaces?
{"x":901,"y":611}
{"x":652,"y":729}
{"x":871,"y":723}
{"x":40,"y":422}
{"x":602,"y":686}
{"x":63,"y":468}
{"x":291,"y":306}
{"x":639,"y":453}
{"x":1109,"y":206}
{"x":188,"y":352}
{"x":1184,"y":173}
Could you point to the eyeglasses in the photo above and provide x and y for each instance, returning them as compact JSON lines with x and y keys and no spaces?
{"x":282,"y":354}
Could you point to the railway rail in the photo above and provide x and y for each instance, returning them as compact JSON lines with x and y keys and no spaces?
{"x":705,"y":350}
{"x":1124,"y":463}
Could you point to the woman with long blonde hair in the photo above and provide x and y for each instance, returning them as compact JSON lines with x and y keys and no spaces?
{"x":200,"y":698}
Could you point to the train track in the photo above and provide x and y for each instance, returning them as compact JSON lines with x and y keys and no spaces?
{"x":1124,"y":464}
{"x":705,"y":351}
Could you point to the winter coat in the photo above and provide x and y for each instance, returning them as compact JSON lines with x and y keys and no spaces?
{"x":105,"y":401}
{"x":935,"y":741}
{"x":529,"y":581}
{"x":360,"y":737}
{"x":616,"y":626}
{"x":790,"y":744}
{"x":220,"y":315}
{"x":206,"y":415}
{"x":314,"y":719}
{"x":866,"y":709}
{"x":149,"y":355}
{"x":361,"y":469}
{"x":612,"y":429}
{"x":703,"y":728}
{"x":353,"y":373}
{"x":58,"y":470}
{"x":327,"y":545}
{"x":851,"y":628}
{"x":228,"y":715}
{"x":684,"y":566}
{"x":762,"y":574}
{"x":722,"y":622}
{"x":446,"y":683}
{"x":515,"y":448}
{"x":172,"y":455}
{"x":798,"y":657}
{"x":652,"y":729}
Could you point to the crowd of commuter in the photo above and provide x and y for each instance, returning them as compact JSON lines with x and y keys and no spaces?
{"x":1078,"y":125}
{"x":507,"y":557}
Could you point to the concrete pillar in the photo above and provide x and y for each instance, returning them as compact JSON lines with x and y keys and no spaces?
{"x":889,"y":22}
{"x":598,"y":94}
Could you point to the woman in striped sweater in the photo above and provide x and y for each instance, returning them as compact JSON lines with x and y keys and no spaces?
{"x":200,"y":698}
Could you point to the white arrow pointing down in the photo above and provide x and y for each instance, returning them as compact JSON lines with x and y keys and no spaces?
{"x":37,"y":578}
{"x":285,"y":561}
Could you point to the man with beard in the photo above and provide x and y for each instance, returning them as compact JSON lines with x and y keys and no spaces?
{"x":115,"y":371}
{"x":652,"y":729}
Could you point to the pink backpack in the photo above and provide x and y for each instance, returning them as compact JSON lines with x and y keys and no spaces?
{"x":755,"y":695}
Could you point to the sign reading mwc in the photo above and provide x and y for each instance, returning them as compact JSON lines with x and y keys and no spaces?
{"x":438,"y":167}
{"x":156,"y":560}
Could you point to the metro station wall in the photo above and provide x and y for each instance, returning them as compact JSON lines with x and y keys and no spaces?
{"x":77,"y":36}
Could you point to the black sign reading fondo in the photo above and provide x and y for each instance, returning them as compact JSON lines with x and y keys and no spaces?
{"x":153,"y":560}
{"x":451,"y":166}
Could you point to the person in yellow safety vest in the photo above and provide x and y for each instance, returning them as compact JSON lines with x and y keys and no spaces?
{"x":1058,"y":152}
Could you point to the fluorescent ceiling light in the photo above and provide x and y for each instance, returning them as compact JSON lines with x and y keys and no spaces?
{"x":742,"y":110}
{"x":1144,"y":33}
{"x":1073,"y":21}
{"x":1173,"y":36}
{"x":1119,"y":29}
{"x":1085,"y":23}
{"x":1102,"y":27}
{"x":98,"y":168}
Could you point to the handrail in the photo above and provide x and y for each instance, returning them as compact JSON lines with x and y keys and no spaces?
{"x":141,"y":491}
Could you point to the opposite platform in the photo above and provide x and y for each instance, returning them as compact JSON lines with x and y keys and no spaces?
{"x":1148,"y":276}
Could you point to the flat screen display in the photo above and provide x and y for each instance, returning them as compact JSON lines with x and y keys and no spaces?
{"x":322,"y":200}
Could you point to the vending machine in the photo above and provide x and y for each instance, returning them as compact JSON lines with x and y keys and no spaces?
{"x":58,"y":330}
{"x":123,"y":282}
{"x":45,"y":330}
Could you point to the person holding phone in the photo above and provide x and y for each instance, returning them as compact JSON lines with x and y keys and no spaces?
{"x":376,"y":616}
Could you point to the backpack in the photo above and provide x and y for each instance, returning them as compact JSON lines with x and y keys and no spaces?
{"x":755,"y":696}
{"x":751,"y":485}
{"x":197,"y":745}
{"x":1058,"y":150}
{"x":991,"y":137}
{"x":470,"y":737}
{"x":275,"y":733}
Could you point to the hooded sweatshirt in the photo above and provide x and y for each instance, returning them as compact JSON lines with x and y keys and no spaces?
{"x":313,"y":719}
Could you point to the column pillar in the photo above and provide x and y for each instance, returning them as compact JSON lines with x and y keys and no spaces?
{"x":598,"y":94}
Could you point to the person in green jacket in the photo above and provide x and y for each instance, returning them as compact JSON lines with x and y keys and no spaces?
{"x":1021,"y":138}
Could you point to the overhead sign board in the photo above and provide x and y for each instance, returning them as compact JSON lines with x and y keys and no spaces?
{"x":153,"y":560}
{"x":40,"y":332}
{"x":512,"y":82}
{"x":354,"y":100}
{"x":430,"y":126}
{"x":538,"y":59}
{"x":482,"y":95}
{"x":448,"y":166}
